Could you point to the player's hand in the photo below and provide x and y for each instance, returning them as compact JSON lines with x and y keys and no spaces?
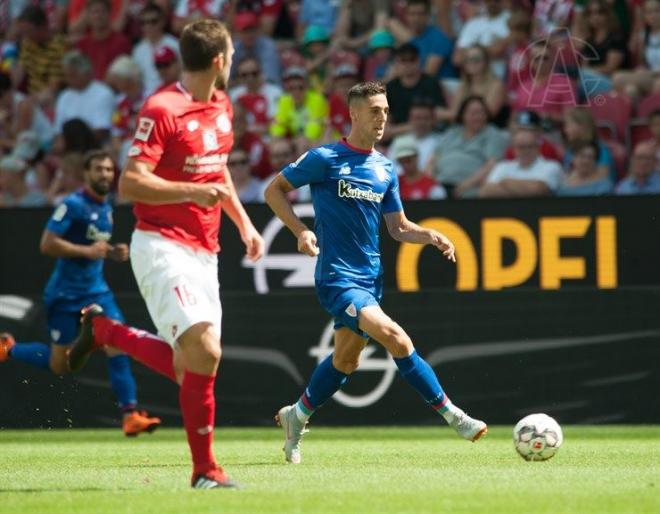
{"x":442,"y":243}
{"x":208,"y":195}
{"x":98,"y":250}
{"x":254,"y":244}
{"x":307,"y":243}
{"x":118,"y":252}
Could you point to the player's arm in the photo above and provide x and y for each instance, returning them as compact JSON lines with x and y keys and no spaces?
{"x":138,"y":183}
{"x":54,"y":245}
{"x":277,"y":200}
{"x":405,"y":231}
{"x":232,"y":205}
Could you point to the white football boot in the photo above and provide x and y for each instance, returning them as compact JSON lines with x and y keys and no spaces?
{"x":293,"y":431}
{"x":467,"y":427}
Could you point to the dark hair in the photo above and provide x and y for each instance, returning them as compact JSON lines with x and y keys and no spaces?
{"x":34,"y":15}
{"x":654,"y":114}
{"x":153,"y":8}
{"x":587,"y":144}
{"x":95,"y":155}
{"x":422,"y":101}
{"x":104,"y":3}
{"x":201,"y":41}
{"x":364,"y":90}
{"x":5,"y":84}
{"x":425,"y":3}
{"x":407,"y":49}
{"x":466,"y":103}
{"x":248,"y":58}
{"x":78,"y":137}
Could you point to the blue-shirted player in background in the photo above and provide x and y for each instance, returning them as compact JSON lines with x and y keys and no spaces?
{"x":78,"y":235}
{"x":352,"y":185}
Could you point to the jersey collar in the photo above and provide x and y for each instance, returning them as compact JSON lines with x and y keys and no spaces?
{"x":345,"y":142}
{"x":182,"y":89}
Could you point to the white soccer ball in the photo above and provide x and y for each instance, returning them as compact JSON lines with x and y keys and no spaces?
{"x":537,"y":437}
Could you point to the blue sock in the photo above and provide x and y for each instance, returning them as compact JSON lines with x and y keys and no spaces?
{"x":36,"y":354}
{"x":417,"y":372}
{"x":122,"y":381}
{"x":326,"y":381}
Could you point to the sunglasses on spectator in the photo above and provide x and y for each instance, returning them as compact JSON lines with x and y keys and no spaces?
{"x":149,"y":21}
{"x":249,"y":74}
{"x":163,"y":65}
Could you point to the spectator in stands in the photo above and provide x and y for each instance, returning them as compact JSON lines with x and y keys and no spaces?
{"x":301,"y":112}
{"x":646,"y":43}
{"x":249,"y":42}
{"x":68,"y":177}
{"x":579,"y":128}
{"x":654,"y":128}
{"x":409,"y":85}
{"x":345,"y":76}
{"x":517,"y":54}
{"x":378,"y":65}
{"x":191,"y":10}
{"x":608,"y":45}
{"x":15,"y":192}
{"x":413,"y":183}
{"x":583,"y":178}
{"x":76,"y":136}
{"x":546,"y":92}
{"x":467,"y":151}
{"x":18,"y":113}
{"x":422,"y":136}
{"x":282,"y":153}
{"x":551,"y":15}
{"x":435,"y":47}
{"x":248,"y":187}
{"x":532,"y":121}
{"x":40,"y":57}
{"x":102,"y":45}
{"x":273,"y":16}
{"x":125,"y":76}
{"x":357,"y":20}
{"x":317,"y":12}
{"x":154,"y":38}
{"x":85,"y":98}
{"x":489,"y":30}
{"x":316,"y":52}
{"x":257,"y":96}
{"x":78,"y":19}
{"x":251,"y":142}
{"x":643,"y":177}
{"x":477,"y":79}
{"x":527,"y":175}
{"x":168,"y":66}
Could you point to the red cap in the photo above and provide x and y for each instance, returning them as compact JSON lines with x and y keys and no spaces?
{"x":164,"y":55}
{"x":245,"y":20}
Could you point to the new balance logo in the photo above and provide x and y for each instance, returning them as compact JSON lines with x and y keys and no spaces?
{"x":345,"y":190}
{"x":345,"y":170}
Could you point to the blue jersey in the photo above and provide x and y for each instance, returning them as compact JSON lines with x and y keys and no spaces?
{"x":83,"y":220}
{"x":351,"y":189}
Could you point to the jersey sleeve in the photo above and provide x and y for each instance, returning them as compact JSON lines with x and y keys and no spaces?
{"x":62,"y":218}
{"x":154,"y":127}
{"x":392,"y":198}
{"x":308,"y":169}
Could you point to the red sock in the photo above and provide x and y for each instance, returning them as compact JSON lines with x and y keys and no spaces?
{"x":144,"y":347}
{"x":198,"y":408}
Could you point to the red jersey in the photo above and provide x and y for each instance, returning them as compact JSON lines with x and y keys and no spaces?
{"x":423,"y":188}
{"x":103,"y":52}
{"x":256,"y":106}
{"x":186,"y":141}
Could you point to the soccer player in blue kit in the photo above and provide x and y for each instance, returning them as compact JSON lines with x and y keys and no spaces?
{"x":352,"y":185}
{"x":78,"y":235}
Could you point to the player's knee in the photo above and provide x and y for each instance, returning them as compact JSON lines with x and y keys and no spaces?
{"x":346,"y":364}
{"x":210,"y":348}
{"x":397,"y":341}
{"x":58,"y":367}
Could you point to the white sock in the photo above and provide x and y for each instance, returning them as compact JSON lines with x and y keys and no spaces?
{"x":450,"y":411}
{"x":301,"y":415}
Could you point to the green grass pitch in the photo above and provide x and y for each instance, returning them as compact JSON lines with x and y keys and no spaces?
{"x":344,"y":470}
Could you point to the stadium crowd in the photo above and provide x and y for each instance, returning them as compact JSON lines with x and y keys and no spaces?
{"x":492,"y":98}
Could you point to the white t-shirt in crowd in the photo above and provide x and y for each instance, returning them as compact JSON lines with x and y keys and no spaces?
{"x":143,"y":53}
{"x":541,"y":169}
{"x":426,"y":148}
{"x":483,"y":30}
{"x":94,"y":105}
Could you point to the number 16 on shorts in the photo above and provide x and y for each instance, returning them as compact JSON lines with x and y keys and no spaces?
{"x":184,"y":296}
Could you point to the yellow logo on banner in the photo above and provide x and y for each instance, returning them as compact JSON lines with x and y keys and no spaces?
{"x":530,"y":253}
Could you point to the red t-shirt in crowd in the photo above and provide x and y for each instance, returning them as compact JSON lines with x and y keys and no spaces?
{"x":256,"y":106}
{"x":103,"y":51}
{"x":257,"y":152}
{"x":340,"y":118}
{"x":419,"y":189}
{"x":186,"y":141}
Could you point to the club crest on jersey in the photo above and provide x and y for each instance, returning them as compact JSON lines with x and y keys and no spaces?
{"x":223,"y":123}
{"x":210,"y":140}
{"x":144,"y":128}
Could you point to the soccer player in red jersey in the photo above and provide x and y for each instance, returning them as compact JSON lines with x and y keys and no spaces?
{"x":177,"y":177}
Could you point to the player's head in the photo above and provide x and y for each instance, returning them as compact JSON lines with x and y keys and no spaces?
{"x":368,"y":108}
{"x":206,"y":46}
{"x":98,"y":171}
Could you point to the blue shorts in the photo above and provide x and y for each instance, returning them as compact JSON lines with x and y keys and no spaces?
{"x":64,"y":318}
{"x":345,"y":297}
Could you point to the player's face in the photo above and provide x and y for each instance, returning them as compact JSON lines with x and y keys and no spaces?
{"x":100,"y":175}
{"x":370,"y":115}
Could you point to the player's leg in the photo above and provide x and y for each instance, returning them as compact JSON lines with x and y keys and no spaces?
{"x":326,"y":380}
{"x":33,"y":353}
{"x":416,"y":371}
